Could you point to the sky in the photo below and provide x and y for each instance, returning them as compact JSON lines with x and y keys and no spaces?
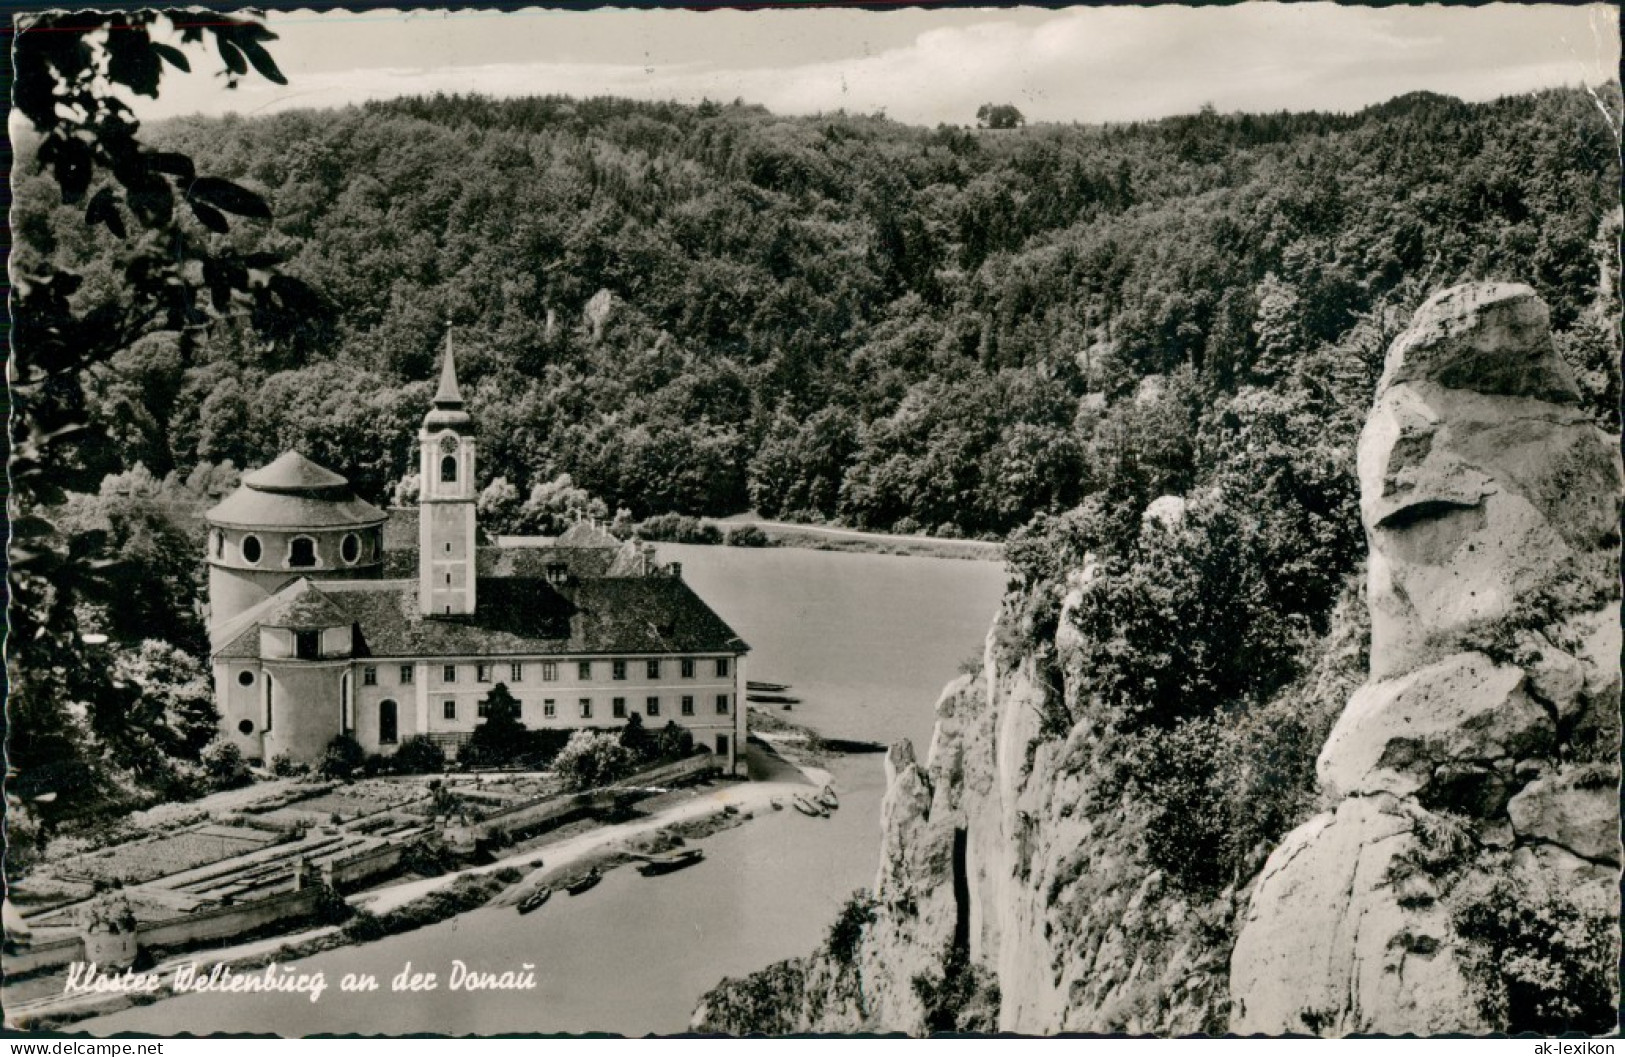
{"x":929,"y":66}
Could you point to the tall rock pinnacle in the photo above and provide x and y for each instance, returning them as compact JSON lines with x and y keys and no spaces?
{"x":1477,"y":768}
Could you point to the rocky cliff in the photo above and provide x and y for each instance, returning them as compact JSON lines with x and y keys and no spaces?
{"x":1464,"y":875}
{"x":1458,"y":870}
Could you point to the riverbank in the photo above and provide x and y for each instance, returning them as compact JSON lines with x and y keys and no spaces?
{"x":833,"y":538}
{"x":668,"y":820}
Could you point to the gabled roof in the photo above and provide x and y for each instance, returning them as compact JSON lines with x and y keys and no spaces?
{"x":515,"y":617}
{"x":302,"y":605}
{"x":587,"y":534}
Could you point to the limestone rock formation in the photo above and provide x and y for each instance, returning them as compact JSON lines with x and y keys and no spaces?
{"x":1480,"y":759}
{"x":1469,"y":831}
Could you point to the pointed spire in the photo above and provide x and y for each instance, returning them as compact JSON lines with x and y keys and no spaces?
{"x":448,"y":395}
{"x":447,"y":412}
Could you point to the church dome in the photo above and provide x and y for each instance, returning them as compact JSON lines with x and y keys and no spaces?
{"x":294,"y":493}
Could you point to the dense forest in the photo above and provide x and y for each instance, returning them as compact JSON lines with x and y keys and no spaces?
{"x":1023,"y":333}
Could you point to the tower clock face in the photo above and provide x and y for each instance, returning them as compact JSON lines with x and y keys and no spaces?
{"x":448,"y":444}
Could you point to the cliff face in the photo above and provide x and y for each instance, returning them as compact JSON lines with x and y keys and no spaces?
{"x":1472,"y":777}
{"x":1465,"y":871}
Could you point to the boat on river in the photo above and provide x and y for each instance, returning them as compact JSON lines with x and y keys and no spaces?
{"x":807,"y":807}
{"x":580,"y":885}
{"x":677,"y":860}
{"x":828,"y":798}
{"x":535,"y":900}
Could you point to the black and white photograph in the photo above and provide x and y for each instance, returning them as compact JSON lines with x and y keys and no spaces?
{"x":814,"y":520}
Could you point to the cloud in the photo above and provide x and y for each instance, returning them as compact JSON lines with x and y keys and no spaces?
{"x":1087,"y":64}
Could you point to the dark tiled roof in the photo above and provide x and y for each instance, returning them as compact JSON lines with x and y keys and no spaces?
{"x":582,"y":562}
{"x":587,"y":534}
{"x":401,"y":530}
{"x":301,"y":605}
{"x":247,"y":508}
{"x":528,"y":616}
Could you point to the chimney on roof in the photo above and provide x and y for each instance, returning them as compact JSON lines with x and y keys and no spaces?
{"x":676,"y":570}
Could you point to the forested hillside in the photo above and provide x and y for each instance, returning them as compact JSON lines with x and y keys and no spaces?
{"x":704,"y":309}
{"x":1026,"y":333}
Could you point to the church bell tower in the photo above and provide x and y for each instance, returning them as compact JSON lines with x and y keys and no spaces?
{"x":446,"y":501}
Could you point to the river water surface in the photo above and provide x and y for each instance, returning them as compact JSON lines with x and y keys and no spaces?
{"x":867,"y":642}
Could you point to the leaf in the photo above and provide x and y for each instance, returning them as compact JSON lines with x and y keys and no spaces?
{"x":71,"y":163}
{"x":233,"y":198}
{"x":174,"y":56}
{"x":261,"y":59}
{"x":178,"y":165}
{"x":228,"y":51}
{"x":209,"y":216}
{"x":132,"y":62}
{"x":103,"y":209}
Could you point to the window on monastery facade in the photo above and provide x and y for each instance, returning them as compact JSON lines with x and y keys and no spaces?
{"x":245,"y":678}
{"x":653,"y":668}
{"x":550,"y":708}
{"x":482,"y":673}
{"x":516,"y":672}
{"x":584,"y":669}
{"x":688,"y":667}
{"x":722,"y":667}
{"x":246,"y":727}
{"x":617,"y":707}
{"x":448,"y":673}
{"x":301,"y":552}
{"x":550,"y":671}
{"x":617,"y":669}
{"x":722,"y":744}
{"x":448,"y":709}
{"x":651,"y":705}
{"x":557,"y":572}
{"x":408,"y":673}
{"x":369,"y":676}
{"x":387,"y":733}
{"x":307,"y":645}
{"x":482,"y":709}
{"x":251,"y":550}
{"x":722,"y":704}
{"x":448,"y":469}
{"x":688,"y":704}
{"x":350,"y":548}
{"x":586,"y":708}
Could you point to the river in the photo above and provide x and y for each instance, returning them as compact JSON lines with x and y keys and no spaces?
{"x":867,"y":642}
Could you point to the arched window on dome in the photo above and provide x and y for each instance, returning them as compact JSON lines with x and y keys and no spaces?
{"x":448,"y":469}
{"x":350,"y":548}
{"x":301,"y":552}
{"x":251,"y":550}
{"x":219,"y":544}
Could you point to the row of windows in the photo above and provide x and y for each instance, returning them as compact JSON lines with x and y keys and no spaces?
{"x":388,"y":726}
{"x":485,"y":673}
{"x":301,"y":552}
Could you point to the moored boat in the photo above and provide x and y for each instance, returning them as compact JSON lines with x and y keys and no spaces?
{"x":807,"y":807}
{"x":535,"y":900}
{"x":659,"y":864}
{"x":580,"y":885}
{"x":828,"y":798}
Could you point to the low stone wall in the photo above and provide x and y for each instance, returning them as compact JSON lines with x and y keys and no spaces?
{"x":45,"y":956}
{"x":364,"y":865}
{"x":224,"y":922}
